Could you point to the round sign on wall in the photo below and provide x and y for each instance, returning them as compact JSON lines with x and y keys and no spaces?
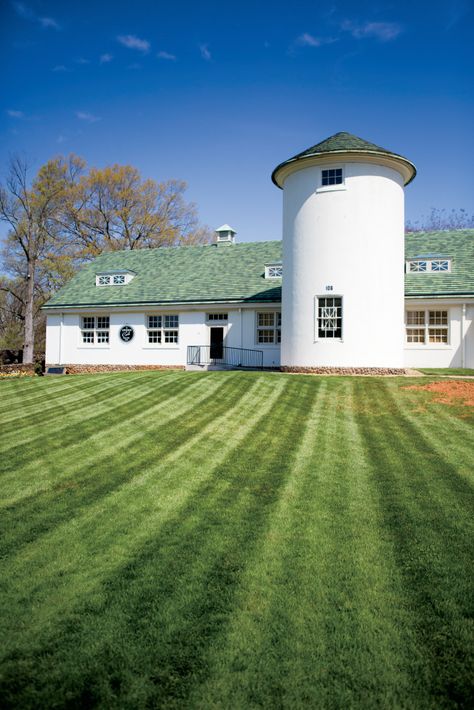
{"x":126,"y":333}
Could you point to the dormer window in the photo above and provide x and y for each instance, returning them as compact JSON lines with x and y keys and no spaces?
{"x":425,"y":265}
{"x":114,"y":278}
{"x":274,"y":270}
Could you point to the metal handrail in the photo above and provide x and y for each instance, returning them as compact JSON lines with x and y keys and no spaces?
{"x":231,"y":357}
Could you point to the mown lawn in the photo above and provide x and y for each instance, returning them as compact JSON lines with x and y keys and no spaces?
{"x":234,"y":540}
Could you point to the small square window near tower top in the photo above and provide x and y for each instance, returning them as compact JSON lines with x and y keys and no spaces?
{"x":332,"y":176}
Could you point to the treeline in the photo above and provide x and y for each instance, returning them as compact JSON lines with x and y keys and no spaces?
{"x":67,"y":214}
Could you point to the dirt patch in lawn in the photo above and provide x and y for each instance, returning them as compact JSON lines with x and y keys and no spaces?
{"x":449,"y":392}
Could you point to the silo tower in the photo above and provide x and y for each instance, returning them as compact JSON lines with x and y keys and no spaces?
{"x":343,"y":254}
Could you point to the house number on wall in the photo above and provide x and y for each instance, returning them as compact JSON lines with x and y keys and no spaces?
{"x":329,"y":288}
{"x":126,"y":333}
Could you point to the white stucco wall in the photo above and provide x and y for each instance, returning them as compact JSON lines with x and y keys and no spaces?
{"x":349,"y":238}
{"x":64,"y":343}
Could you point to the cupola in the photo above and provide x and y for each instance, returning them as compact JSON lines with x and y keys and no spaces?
{"x":225,"y":235}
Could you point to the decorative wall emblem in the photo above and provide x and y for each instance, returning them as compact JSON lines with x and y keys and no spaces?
{"x":126,"y":333}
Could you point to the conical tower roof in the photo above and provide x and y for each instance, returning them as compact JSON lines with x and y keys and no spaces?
{"x":346,"y":143}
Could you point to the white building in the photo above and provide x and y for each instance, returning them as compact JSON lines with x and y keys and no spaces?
{"x":332,"y":293}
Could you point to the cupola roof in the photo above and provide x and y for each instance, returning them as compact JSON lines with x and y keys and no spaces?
{"x":340,"y":144}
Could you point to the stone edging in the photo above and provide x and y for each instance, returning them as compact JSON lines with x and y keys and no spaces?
{"x":93,"y":369}
{"x":401,"y":371}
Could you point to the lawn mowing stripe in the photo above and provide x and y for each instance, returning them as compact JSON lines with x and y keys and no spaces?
{"x":448,"y":427}
{"x":47,"y":387}
{"x":127,"y":425}
{"x":51,"y":569}
{"x":434,"y":558}
{"x":452,"y":491}
{"x":53,"y":435}
{"x":65,"y":497}
{"x":54,"y":409}
{"x":187,"y":590}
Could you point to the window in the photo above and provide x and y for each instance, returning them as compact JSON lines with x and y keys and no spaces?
{"x":428,"y":265}
{"x":425,"y":326}
{"x":269,"y":328}
{"x":333,"y":176}
{"x":273,"y":271}
{"x":217,"y":316}
{"x":113,"y":279}
{"x":95,"y":329}
{"x":162,"y":329}
{"x":329,"y":317}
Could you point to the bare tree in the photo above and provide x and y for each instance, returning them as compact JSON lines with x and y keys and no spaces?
{"x":29,"y":213}
{"x":442,"y":219}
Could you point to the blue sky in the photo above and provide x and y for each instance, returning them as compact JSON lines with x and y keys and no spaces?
{"x":218,"y":93}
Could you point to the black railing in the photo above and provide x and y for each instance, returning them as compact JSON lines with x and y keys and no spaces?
{"x":227,"y":357}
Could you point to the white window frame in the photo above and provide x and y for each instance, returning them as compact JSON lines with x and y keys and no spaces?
{"x":220,"y":317}
{"x":113,"y":279}
{"x":429,"y":263}
{"x":97,"y":330}
{"x":334,"y":338}
{"x":162,"y":331}
{"x":427,"y":326}
{"x":274,"y":327}
{"x":273,"y":271}
{"x":331,"y":188}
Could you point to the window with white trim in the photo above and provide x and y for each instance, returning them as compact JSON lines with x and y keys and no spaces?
{"x":217,"y":316}
{"x":427,"y":327}
{"x":329,"y":317}
{"x":113,"y":279}
{"x":331,"y":176}
{"x":425,"y":266}
{"x":269,"y":327}
{"x":273,"y":271}
{"x":163,"y":329}
{"x":95,"y":330}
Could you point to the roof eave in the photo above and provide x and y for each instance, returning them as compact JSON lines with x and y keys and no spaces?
{"x":409,"y":172}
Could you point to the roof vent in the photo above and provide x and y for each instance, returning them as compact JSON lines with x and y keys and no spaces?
{"x":225,"y":235}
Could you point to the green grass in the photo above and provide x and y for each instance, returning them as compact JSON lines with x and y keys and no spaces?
{"x":447,"y":371}
{"x":234,"y":540}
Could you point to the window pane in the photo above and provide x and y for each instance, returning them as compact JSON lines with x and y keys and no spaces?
{"x":440,"y":265}
{"x":217,"y":316}
{"x":266,"y":319}
{"x":438,"y":335}
{"x":102,"y":336}
{"x":329,"y":317}
{"x":438,"y":317}
{"x":415,"y":317}
{"x":415,"y":335}
{"x":171,"y":336}
{"x":417,"y":265}
{"x":171,"y":321}
{"x":154,"y":321}
{"x":265,"y":336}
{"x":103,"y":321}
{"x":104,"y":280}
{"x":154,"y":336}
{"x":119,"y":279}
{"x":87,"y":336}
{"x":88,"y":322}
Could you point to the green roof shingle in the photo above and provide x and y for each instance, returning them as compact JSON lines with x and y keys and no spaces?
{"x":459,"y":245}
{"x":343,"y":143}
{"x":235,"y":273}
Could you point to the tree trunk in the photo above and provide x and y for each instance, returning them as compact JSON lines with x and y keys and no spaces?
{"x":29,"y":344}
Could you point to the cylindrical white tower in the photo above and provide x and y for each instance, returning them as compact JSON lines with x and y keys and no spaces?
{"x":343,"y":254}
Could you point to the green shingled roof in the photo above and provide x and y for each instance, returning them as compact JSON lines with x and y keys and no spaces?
{"x":459,"y":245}
{"x":235,"y":273}
{"x":343,"y":143}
